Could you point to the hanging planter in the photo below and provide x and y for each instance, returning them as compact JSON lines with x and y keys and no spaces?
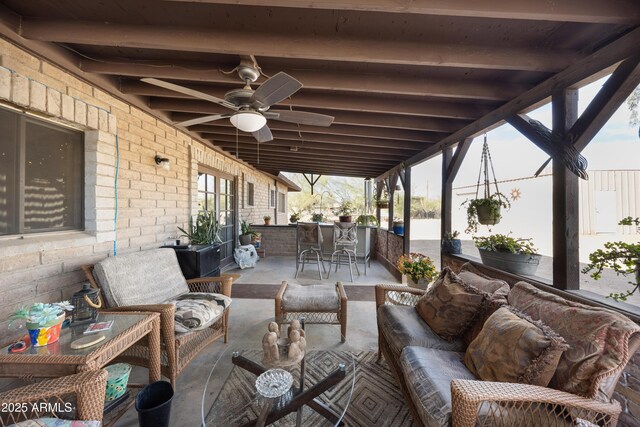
{"x":485,"y":210}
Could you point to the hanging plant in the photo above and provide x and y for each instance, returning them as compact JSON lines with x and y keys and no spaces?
{"x":485,"y":210}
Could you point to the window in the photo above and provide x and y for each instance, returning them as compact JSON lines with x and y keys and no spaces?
{"x":281,"y":202}
{"x":272,"y":200}
{"x":206,"y":192}
{"x":250,"y":193}
{"x":41,"y":176}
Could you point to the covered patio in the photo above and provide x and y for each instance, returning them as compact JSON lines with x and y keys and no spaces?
{"x":141,"y":104}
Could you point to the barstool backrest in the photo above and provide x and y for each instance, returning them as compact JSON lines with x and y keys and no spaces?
{"x":345,"y":233}
{"x":309,"y":233}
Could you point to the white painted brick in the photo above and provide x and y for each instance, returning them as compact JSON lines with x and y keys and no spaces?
{"x":92,"y":117}
{"x":81,"y":112}
{"x":38,"y":96}
{"x":68,"y":110}
{"x":5,"y":83}
{"x":20,"y":89}
{"x":54,"y":102}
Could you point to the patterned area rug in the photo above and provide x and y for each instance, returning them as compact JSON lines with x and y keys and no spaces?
{"x":376,"y":400}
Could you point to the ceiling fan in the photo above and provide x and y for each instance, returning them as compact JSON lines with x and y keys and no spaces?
{"x":250,"y":107}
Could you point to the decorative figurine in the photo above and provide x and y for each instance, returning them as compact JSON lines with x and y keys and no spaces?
{"x":270,"y":347}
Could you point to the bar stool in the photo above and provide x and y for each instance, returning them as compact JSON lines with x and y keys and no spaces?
{"x":309,"y":244}
{"x":345,"y":242}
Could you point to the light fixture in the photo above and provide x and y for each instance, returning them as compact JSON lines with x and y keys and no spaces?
{"x":248,"y":121}
{"x":163,"y":161}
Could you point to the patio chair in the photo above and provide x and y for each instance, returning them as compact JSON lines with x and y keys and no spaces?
{"x":87,"y":389}
{"x":345,"y":243}
{"x":142,"y":281}
{"x":309,"y":244}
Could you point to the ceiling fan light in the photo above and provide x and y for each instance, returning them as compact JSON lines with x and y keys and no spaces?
{"x":248,"y":121}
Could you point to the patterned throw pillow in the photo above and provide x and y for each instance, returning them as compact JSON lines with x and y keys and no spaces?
{"x":514,"y":348}
{"x":450,"y":305}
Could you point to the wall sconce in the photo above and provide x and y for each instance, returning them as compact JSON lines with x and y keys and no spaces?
{"x":164,"y":162}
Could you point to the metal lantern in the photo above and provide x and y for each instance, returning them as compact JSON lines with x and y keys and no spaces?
{"x":86,"y":303}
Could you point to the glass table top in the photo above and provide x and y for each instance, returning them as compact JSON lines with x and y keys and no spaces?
{"x":230,"y":397}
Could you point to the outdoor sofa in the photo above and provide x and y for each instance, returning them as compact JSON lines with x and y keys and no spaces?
{"x":593,"y":347}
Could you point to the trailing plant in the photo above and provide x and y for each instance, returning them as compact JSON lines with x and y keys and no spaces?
{"x":40,"y":313}
{"x":494,"y":203}
{"x":245,"y":228}
{"x":505,"y":243}
{"x":621,"y":257}
{"x":317,"y":217}
{"x":417,"y":266}
{"x":345,"y":209}
{"x":204,"y":231}
{"x":367,"y":220}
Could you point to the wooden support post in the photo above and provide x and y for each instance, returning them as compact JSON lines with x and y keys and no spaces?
{"x":379,"y":189}
{"x":566,"y":259}
{"x":447,"y":192}
{"x":407,"y":209}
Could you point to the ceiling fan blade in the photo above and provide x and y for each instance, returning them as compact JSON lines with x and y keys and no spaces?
{"x":304,"y":118}
{"x":187,"y":91}
{"x":263,"y":135}
{"x":274,"y":90}
{"x":203,"y":119}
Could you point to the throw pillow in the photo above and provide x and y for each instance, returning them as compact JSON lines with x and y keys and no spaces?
{"x":450,"y":305}
{"x":514,"y":348}
{"x":198,"y":310}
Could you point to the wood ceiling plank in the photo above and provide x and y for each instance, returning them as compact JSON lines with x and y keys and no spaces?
{"x":594,"y":11}
{"x":302,"y":46}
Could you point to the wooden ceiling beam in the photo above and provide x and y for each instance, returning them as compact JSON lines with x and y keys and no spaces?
{"x":274,"y":170}
{"x":325,"y":101}
{"x":299,"y":45}
{"x":408,"y":85}
{"x":334,"y":139}
{"x":300,"y":157}
{"x":304,"y":167}
{"x":594,"y":11}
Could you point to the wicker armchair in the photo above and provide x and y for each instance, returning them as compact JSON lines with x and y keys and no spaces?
{"x":176,"y":350}
{"x":485,"y":403}
{"x":87,"y":389}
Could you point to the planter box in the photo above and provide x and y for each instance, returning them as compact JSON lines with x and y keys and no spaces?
{"x":198,"y":260}
{"x":521,"y":264}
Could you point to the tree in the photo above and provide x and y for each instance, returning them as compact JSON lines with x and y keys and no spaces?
{"x":633,"y":103}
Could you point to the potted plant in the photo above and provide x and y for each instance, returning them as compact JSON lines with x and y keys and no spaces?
{"x":267,"y":220}
{"x":367,"y":220}
{"x":517,"y":256}
{"x":451,"y":244}
{"x":204,"y":231}
{"x":344,"y":211}
{"x":246,"y":233}
{"x":202,"y":257}
{"x":317,"y":217}
{"x":398,"y":227}
{"x":621,"y":257}
{"x":43,"y":321}
{"x":485,"y":211}
{"x":418,"y":270}
{"x":295,"y":217}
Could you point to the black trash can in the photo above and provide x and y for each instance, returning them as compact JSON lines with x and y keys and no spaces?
{"x":153,"y":404}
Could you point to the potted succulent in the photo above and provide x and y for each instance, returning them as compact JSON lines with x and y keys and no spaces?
{"x":517,"y":256}
{"x":246,"y":233}
{"x":267,"y":220}
{"x":204,"y":231}
{"x":621,"y":257}
{"x":317,"y":217}
{"x":451,"y":244}
{"x":295,"y":217}
{"x":417,"y":270}
{"x":398,"y":227}
{"x":344,"y":211}
{"x":202,"y":256}
{"x":367,"y":220}
{"x":43,"y":321}
{"x":485,"y":211}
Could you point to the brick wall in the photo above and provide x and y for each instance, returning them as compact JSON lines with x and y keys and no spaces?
{"x":152,"y":202}
{"x":628,"y":389}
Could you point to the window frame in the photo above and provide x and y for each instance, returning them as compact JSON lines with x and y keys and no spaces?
{"x":281,"y":206}
{"x":251,"y":191}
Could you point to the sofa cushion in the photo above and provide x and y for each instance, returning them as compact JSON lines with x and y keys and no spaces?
{"x":402,"y":327}
{"x":147,"y":277}
{"x":316,"y":298}
{"x":598,"y":340}
{"x":56,"y":422}
{"x":514,"y":348}
{"x":198,"y":310}
{"x":450,"y":305}
{"x":427,"y":374}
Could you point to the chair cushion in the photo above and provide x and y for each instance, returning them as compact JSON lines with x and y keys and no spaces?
{"x":514,"y":348}
{"x":450,"y":305}
{"x":198,"y":310}
{"x":146,"y":277}
{"x":56,"y":422}
{"x":311,"y":298}
{"x":598,"y":339}
{"x":428,"y":373}
{"x":403,"y":327}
